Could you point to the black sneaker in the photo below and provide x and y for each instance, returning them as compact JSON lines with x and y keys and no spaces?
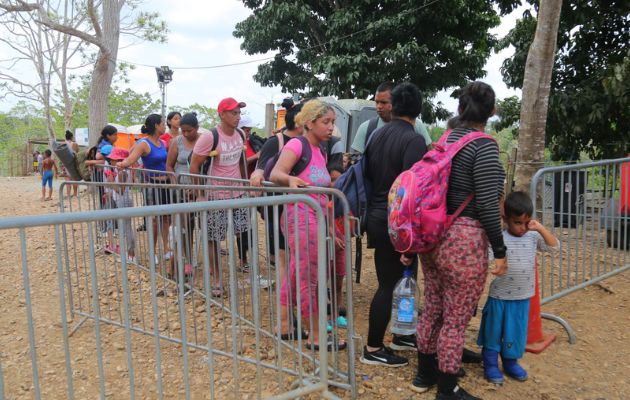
{"x":404,"y":343}
{"x":383,"y":356}
{"x":471,"y":357}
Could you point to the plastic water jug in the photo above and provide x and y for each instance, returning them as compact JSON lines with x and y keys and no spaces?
{"x":405,"y":305}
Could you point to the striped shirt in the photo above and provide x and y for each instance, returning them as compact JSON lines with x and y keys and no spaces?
{"x":518,"y":283}
{"x":476,"y":169}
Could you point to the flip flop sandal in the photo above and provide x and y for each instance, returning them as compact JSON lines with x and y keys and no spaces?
{"x":330,"y":345}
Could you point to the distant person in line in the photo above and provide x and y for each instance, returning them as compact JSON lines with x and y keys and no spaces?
{"x":394,"y":149}
{"x":504,"y":320}
{"x":36,"y":162}
{"x":253,"y":144}
{"x":173,"y":120}
{"x":177,"y":161}
{"x":383,"y":100}
{"x":270,"y":149}
{"x":40,"y":163}
{"x":227,"y":161}
{"x":153,"y":153}
{"x":71,"y":190}
{"x":48,"y":165}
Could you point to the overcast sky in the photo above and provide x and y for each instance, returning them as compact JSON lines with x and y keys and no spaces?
{"x":201,"y":36}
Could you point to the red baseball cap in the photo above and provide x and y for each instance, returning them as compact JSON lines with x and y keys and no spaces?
{"x":228,"y":104}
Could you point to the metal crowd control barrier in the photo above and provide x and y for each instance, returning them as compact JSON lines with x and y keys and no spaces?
{"x":138,"y":344}
{"x":192,"y":251}
{"x":586,"y":207}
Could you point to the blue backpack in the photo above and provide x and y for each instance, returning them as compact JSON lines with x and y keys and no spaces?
{"x":357,"y":187}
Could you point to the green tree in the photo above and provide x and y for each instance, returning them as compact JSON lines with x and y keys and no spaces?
{"x":106,"y":21}
{"x":208,"y":117}
{"x":126,"y":107}
{"x":346,"y":48}
{"x":508,"y":111}
{"x":588,"y":111}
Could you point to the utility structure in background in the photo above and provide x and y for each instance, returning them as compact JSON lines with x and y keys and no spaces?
{"x":165,"y":76}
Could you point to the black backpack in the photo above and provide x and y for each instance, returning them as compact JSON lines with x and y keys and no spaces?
{"x":215,"y":142}
{"x":301,"y":164}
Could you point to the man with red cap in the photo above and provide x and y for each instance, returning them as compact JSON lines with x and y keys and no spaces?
{"x":227,"y":161}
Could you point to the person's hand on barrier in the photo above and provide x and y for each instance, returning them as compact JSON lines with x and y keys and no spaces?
{"x":295,"y":182}
{"x":500,"y":266}
{"x":406,"y":261}
{"x":256,"y":180}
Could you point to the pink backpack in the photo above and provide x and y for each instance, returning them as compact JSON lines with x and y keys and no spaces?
{"x":416,"y":207}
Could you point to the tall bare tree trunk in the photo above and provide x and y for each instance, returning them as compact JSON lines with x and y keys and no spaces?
{"x":535,"y":101}
{"x":104,"y":68}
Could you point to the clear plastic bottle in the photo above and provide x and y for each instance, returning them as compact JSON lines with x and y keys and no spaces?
{"x":405,"y":305}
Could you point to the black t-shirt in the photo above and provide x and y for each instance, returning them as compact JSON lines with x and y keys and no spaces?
{"x":269,"y":150}
{"x":394,"y":148}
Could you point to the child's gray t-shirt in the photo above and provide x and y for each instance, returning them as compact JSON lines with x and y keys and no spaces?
{"x":518,"y":283}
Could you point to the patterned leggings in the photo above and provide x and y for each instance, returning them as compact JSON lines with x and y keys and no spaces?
{"x":454,"y":277}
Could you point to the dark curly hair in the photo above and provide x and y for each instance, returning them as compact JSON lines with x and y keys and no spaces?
{"x":406,"y":100}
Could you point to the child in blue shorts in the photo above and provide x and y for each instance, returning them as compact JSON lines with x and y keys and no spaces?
{"x":504,"y":320}
{"x":48,"y":165}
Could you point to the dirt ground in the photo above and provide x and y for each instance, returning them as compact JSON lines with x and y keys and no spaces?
{"x":596,"y":367}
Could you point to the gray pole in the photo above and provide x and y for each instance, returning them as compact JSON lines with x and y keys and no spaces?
{"x":163,"y":88}
{"x":269,"y":118}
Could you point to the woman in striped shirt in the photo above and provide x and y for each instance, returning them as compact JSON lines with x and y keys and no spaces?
{"x":455,"y":272}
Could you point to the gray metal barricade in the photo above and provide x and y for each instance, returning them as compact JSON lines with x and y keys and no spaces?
{"x":582,"y":205}
{"x":135,"y":343}
{"x":341,"y":362}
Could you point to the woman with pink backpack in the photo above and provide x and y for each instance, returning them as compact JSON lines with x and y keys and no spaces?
{"x":455,"y":269}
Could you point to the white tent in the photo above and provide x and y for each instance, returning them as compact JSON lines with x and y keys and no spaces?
{"x":135,"y":129}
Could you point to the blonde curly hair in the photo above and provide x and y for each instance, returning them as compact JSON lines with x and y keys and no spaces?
{"x":311,"y":110}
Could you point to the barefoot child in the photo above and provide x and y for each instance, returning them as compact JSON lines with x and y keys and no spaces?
{"x":47,"y":174}
{"x":504,"y":320}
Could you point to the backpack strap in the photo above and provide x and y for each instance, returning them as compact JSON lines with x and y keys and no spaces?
{"x":215,"y":142}
{"x":370,"y":128}
{"x":305,"y":157}
{"x":280,"y":137}
{"x":455,"y":148}
{"x":243,"y":159}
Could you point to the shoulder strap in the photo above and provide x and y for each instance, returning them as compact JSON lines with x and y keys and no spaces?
{"x":215,"y":141}
{"x":368,"y":139}
{"x":456,"y":147}
{"x":305,"y":156}
{"x":370,"y":128}
{"x":280,"y":137}
{"x":469,"y":137}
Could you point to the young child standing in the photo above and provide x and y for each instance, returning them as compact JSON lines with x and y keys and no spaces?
{"x":504,"y":320}
{"x":48,"y":165}
{"x":121,"y":197}
{"x":335,"y":169}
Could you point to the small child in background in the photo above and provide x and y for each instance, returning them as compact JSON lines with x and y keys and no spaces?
{"x":121,"y":196}
{"x":335,"y":169}
{"x":47,"y":166}
{"x":504,"y":320}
